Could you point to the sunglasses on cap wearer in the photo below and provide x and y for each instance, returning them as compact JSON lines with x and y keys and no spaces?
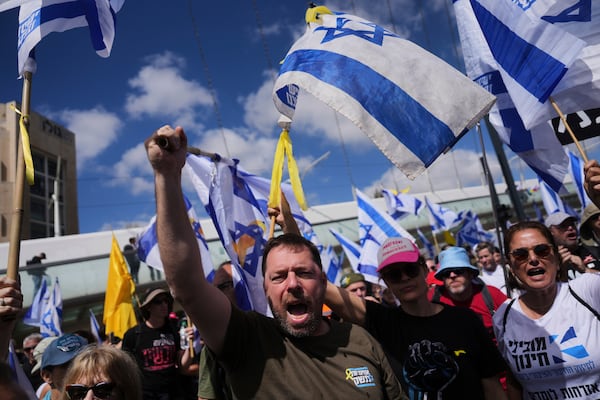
{"x":102,"y":390}
{"x":541,"y":250}
{"x":393,"y":273}
{"x":457,"y":271}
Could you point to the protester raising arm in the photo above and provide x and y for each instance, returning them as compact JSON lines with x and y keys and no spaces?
{"x":208,"y":308}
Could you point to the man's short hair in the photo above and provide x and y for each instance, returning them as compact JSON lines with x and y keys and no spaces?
{"x":486,"y":245}
{"x":294,"y":241}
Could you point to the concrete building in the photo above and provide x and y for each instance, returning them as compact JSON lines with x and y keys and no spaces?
{"x":54,"y":160}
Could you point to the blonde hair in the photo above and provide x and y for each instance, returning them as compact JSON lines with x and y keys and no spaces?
{"x":106,"y":362}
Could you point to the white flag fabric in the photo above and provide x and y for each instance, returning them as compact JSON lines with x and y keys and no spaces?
{"x":483,"y":38}
{"x":351,"y":249}
{"x":38,"y":18}
{"x":239,"y":221}
{"x":576,"y":168}
{"x":34,"y":314}
{"x":411,"y":104}
{"x":374,"y":228}
{"x":401,"y":205}
{"x":148,"y":251}
{"x":9,"y":4}
{"x":441,"y":218}
{"x":51,"y":324}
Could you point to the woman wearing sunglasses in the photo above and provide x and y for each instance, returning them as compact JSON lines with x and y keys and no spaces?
{"x":103,"y":373}
{"x":550,"y":335}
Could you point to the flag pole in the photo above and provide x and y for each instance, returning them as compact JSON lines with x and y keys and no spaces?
{"x":14,"y":248}
{"x":190,"y":341}
{"x":566,"y":124}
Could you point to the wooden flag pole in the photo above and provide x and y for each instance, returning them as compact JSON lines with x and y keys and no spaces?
{"x":190,"y":341}
{"x":14,"y":249}
{"x":573,"y":137}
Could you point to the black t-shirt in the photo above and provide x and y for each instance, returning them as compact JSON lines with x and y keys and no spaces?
{"x":450,"y":350}
{"x":156,"y":352}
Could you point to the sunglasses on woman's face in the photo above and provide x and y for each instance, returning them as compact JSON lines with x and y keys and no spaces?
{"x":394,"y":275}
{"x":102,"y":390}
{"x":521,"y":254}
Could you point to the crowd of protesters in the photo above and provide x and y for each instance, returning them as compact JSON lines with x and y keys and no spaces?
{"x":471,"y":324}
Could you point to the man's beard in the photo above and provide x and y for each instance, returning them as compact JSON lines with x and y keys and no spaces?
{"x":308,"y":329}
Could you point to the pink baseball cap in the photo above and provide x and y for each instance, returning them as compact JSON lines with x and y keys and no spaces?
{"x":396,"y":250}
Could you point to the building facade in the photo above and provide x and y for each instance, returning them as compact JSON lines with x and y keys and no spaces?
{"x":54,"y":161}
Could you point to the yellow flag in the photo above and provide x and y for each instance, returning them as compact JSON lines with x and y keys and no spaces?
{"x":119,"y":314}
{"x":449,"y":238}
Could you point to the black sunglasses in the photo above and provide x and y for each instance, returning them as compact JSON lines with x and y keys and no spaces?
{"x":540,"y":250}
{"x":394,"y":275}
{"x":457,"y":271}
{"x":102,"y":390}
{"x":160,"y":300}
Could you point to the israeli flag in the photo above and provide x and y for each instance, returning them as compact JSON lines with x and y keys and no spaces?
{"x":426,"y":244}
{"x":400,"y":205}
{"x":33,"y":316}
{"x":38,"y":18}
{"x":471,"y":231}
{"x":332,"y":267}
{"x":351,"y":249}
{"x":411,"y":104}
{"x":576,"y":168}
{"x":239,"y":221}
{"x":486,"y":40}
{"x":441,"y":218}
{"x":149,"y":253}
{"x":52,"y":313}
{"x":374,"y":228}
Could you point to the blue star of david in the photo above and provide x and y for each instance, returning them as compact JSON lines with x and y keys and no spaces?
{"x":374,"y":35}
{"x":367,"y":236}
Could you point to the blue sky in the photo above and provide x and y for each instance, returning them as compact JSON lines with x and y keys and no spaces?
{"x":162,"y":72}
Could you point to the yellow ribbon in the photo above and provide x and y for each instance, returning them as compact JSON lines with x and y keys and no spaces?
{"x":284,"y":147}
{"x":312,"y":14}
{"x":29,"y":171}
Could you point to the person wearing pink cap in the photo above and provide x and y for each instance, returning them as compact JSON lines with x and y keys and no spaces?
{"x":437,"y":351}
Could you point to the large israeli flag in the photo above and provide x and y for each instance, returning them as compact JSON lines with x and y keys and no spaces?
{"x":400,"y":205}
{"x":51,"y":322}
{"x":411,"y":104}
{"x":38,"y":18}
{"x":240,"y":223}
{"x":351,"y":249}
{"x":374,"y":227}
{"x":149,"y":253}
{"x":497,"y":37}
{"x":471,"y":231}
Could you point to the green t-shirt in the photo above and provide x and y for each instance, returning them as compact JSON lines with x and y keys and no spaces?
{"x":262,"y":362}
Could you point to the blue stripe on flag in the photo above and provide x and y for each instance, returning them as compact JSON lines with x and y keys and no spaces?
{"x":532,"y":62}
{"x":395,"y":113}
{"x":377,"y":218}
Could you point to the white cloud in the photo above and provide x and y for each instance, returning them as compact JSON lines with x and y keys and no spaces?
{"x":133,"y":172}
{"x":459,"y":168}
{"x":259,"y":110}
{"x":160,"y":90}
{"x":95,"y":130}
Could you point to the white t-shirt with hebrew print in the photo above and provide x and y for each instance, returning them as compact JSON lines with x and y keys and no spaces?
{"x":556,"y":356}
